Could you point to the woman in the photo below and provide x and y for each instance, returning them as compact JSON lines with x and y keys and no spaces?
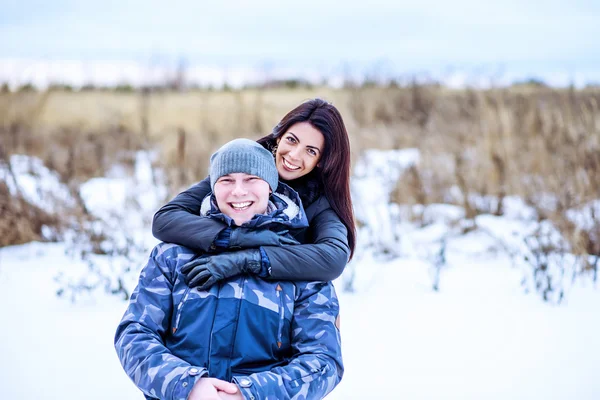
{"x":245,"y":337}
{"x":312,"y":155}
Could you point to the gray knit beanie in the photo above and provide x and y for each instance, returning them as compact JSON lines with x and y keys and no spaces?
{"x":244,"y":155}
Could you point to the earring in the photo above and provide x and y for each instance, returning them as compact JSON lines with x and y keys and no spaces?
{"x":274,"y":149}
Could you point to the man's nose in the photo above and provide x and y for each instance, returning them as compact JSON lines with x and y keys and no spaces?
{"x":239,"y":189}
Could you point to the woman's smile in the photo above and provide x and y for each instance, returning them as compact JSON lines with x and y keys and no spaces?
{"x":299,"y":150}
{"x":289,"y":165}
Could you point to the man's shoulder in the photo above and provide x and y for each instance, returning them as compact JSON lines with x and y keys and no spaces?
{"x":311,"y":290}
{"x":172,"y":252}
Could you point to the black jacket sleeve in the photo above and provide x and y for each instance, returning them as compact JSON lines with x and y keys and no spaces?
{"x":326,"y":255}
{"x":179,"y":221}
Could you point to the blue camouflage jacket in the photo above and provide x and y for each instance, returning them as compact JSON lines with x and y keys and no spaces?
{"x":274,"y":339}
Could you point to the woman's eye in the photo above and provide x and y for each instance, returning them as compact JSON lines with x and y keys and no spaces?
{"x":312,"y":152}
{"x":291,"y":139}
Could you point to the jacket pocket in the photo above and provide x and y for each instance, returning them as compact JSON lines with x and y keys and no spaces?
{"x":179,"y":311}
{"x":309,"y":377}
{"x":286,"y":292}
{"x":281,"y":296}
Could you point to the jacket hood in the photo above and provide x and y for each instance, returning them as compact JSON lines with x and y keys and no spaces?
{"x":284,"y":209}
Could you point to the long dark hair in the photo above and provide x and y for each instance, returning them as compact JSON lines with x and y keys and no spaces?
{"x":333,"y":171}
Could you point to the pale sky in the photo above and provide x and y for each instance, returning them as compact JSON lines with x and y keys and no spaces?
{"x":515,"y":37}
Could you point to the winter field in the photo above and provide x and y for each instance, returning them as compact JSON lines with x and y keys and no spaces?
{"x":430,"y":308}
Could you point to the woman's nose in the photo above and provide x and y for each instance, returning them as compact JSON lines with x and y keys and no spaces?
{"x":295,"y":152}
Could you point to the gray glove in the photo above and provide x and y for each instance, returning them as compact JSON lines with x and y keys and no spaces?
{"x":204,"y":272}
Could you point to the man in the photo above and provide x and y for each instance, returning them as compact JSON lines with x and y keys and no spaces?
{"x":245,"y":337}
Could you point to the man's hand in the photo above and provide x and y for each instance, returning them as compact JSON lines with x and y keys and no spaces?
{"x":205,"y":271}
{"x":212,"y":388}
{"x":227,"y":396}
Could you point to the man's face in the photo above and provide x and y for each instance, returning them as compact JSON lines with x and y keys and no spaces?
{"x":240,"y":196}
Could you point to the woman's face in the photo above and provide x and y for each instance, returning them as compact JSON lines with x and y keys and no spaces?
{"x":299,"y":151}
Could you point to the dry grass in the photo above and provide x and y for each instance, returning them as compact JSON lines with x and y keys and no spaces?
{"x":21,"y":222}
{"x":529,"y":142}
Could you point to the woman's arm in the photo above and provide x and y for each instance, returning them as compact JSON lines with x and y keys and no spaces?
{"x":139,"y":339}
{"x":322,"y":260}
{"x":179,"y":221}
{"x":316,"y":365}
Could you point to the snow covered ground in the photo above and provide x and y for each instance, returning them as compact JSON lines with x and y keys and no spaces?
{"x":480,"y":336}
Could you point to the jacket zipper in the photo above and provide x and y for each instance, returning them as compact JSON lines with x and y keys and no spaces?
{"x":281,"y":314}
{"x":180,"y":309}
{"x":237,"y":324}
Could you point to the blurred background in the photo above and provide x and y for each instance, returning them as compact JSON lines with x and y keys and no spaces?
{"x":475,"y":135}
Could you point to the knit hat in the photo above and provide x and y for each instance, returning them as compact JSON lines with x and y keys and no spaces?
{"x":243,"y":155}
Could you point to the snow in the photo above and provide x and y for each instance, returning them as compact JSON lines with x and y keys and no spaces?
{"x":126,"y":203}
{"x":373,"y":181}
{"x":44,"y":72}
{"x":51,"y":348}
{"x":586,"y":215}
{"x":481,"y":335}
{"x":472,"y":340}
{"x":36,"y":183}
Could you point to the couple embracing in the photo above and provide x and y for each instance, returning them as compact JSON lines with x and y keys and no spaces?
{"x":237,"y":302}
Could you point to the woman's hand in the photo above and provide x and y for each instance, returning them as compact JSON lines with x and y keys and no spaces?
{"x":205,"y":271}
{"x":212,"y":389}
{"x":246,"y":238}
